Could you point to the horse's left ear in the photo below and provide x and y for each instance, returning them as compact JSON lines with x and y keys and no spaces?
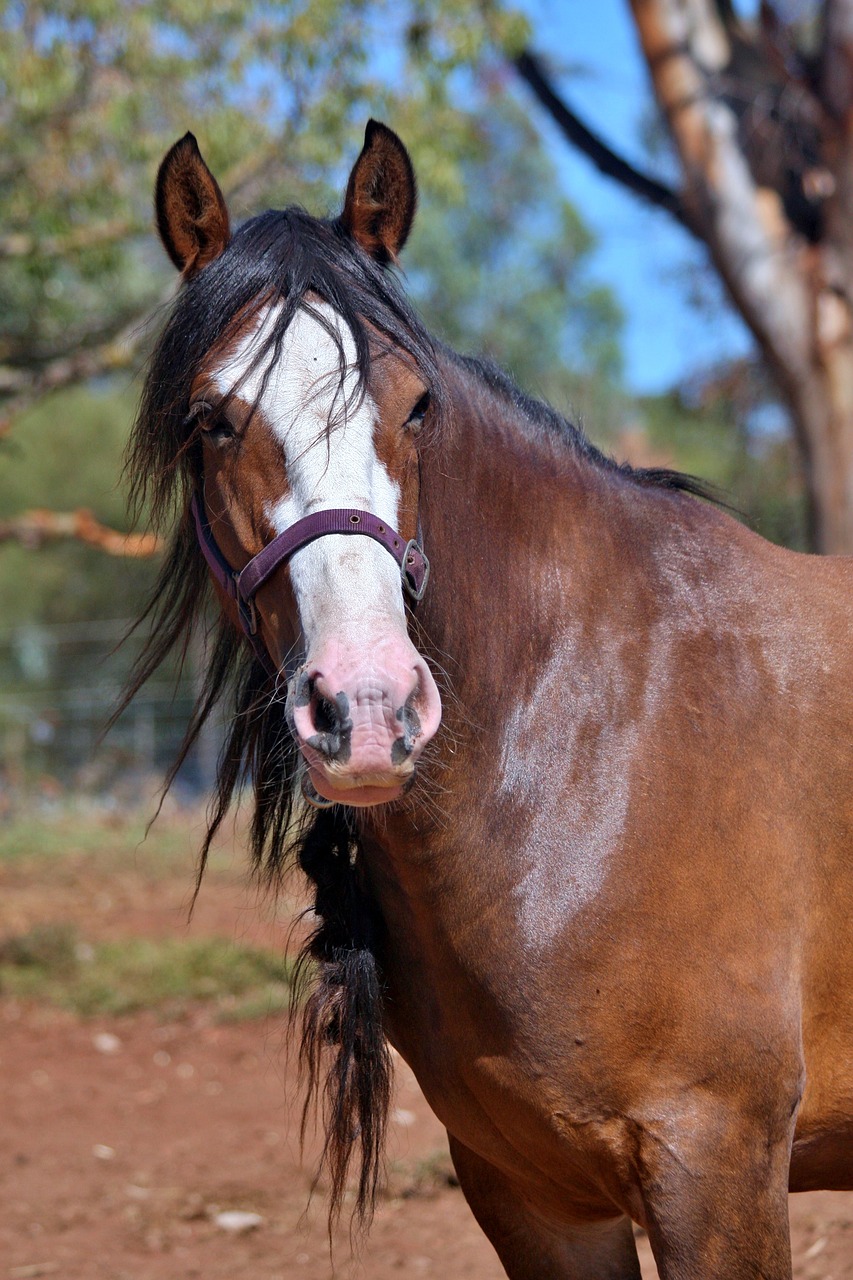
{"x":192,"y":217}
{"x":379,"y":207}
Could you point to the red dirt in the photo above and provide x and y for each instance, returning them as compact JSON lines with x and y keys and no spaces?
{"x":115,"y":1164}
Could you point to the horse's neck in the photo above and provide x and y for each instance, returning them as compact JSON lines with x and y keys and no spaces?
{"x":506,"y":514}
{"x":506,"y":520}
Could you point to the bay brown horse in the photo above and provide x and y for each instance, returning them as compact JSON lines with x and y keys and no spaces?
{"x":599,"y":899}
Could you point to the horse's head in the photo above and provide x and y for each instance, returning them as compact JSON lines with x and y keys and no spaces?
{"x":305,"y":383}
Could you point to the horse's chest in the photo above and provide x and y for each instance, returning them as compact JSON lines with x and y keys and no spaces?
{"x":496,"y":1074}
{"x":519,"y":1116}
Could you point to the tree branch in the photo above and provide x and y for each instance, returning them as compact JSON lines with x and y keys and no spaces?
{"x":34,"y":528}
{"x":836,"y":79}
{"x":531,"y":70}
{"x":24,"y":389}
{"x":117,"y":353}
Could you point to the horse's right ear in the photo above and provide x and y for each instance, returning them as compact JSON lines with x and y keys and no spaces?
{"x":191,"y":215}
{"x":381,"y":195}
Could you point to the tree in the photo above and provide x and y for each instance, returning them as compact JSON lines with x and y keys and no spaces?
{"x":92,"y":93}
{"x":759,"y":113}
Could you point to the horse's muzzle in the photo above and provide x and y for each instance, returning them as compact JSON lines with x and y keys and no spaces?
{"x":361,"y":728}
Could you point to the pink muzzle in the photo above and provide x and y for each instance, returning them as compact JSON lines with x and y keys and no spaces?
{"x":362,"y":721}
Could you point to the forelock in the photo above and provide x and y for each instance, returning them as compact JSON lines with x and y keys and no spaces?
{"x":281,"y":259}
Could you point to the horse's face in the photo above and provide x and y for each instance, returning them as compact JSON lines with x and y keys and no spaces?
{"x":280,"y":442}
{"x":286,"y":432}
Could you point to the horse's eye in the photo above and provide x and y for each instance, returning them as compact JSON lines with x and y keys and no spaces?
{"x":217,"y":428}
{"x":210,"y":421}
{"x":418,"y":414}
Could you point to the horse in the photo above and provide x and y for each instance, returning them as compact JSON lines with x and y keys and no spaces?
{"x":563,"y":749}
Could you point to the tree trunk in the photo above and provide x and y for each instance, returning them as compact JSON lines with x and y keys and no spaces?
{"x":822,"y":404}
{"x":793,"y":292}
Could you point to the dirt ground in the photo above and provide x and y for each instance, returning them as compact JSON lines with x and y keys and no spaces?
{"x":123,"y":1141}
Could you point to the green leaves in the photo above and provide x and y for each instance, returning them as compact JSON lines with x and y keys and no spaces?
{"x":95,"y":91}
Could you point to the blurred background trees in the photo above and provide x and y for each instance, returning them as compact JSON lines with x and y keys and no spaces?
{"x":92,"y":93}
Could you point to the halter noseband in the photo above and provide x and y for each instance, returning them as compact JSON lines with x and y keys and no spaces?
{"x":241,"y":585}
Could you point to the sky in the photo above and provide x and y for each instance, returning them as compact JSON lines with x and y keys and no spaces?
{"x":648,"y":261}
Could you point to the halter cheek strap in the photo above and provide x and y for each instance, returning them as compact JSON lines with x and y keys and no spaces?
{"x":242,"y":585}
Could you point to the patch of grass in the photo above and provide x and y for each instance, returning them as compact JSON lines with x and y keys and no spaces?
{"x":107,"y":842}
{"x":50,"y":963}
{"x":254,"y":1005}
{"x":422,"y":1178}
{"x":51,"y":946}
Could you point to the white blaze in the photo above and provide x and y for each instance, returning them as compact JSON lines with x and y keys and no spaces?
{"x":340,"y":581}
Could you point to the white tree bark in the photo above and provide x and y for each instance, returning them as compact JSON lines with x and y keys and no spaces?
{"x":794,"y":295}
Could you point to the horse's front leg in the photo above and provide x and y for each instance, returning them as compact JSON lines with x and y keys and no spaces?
{"x":529,"y":1247}
{"x":716,"y":1198}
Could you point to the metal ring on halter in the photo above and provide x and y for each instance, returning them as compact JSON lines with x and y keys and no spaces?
{"x":312,"y":795}
{"x":413,"y":550}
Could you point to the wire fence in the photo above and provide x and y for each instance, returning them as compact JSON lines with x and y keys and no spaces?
{"x":58,"y":686}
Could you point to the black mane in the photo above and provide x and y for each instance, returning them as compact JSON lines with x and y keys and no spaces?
{"x":543,"y":417}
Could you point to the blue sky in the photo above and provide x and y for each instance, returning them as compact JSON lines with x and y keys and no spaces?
{"x":647,"y":260}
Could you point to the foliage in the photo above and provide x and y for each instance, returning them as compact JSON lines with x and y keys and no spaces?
{"x":505,"y":272}
{"x":95,"y":90}
{"x":92,"y":92}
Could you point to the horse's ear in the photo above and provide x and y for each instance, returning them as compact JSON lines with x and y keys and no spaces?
{"x":379,"y":207}
{"x":191,"y":215}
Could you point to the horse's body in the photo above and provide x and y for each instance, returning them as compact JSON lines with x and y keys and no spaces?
{"x":633,"y":958}
{"x":611,"y":915}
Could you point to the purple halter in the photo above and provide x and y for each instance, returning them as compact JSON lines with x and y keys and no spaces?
{"x":241,"y":585}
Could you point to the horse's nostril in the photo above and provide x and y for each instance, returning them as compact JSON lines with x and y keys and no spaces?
{"x":331,"y":723}
{"x":401,"y":749}
{"x":300,"y":691}
{"x":410,"y":720}
{"x":326,"y":716}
